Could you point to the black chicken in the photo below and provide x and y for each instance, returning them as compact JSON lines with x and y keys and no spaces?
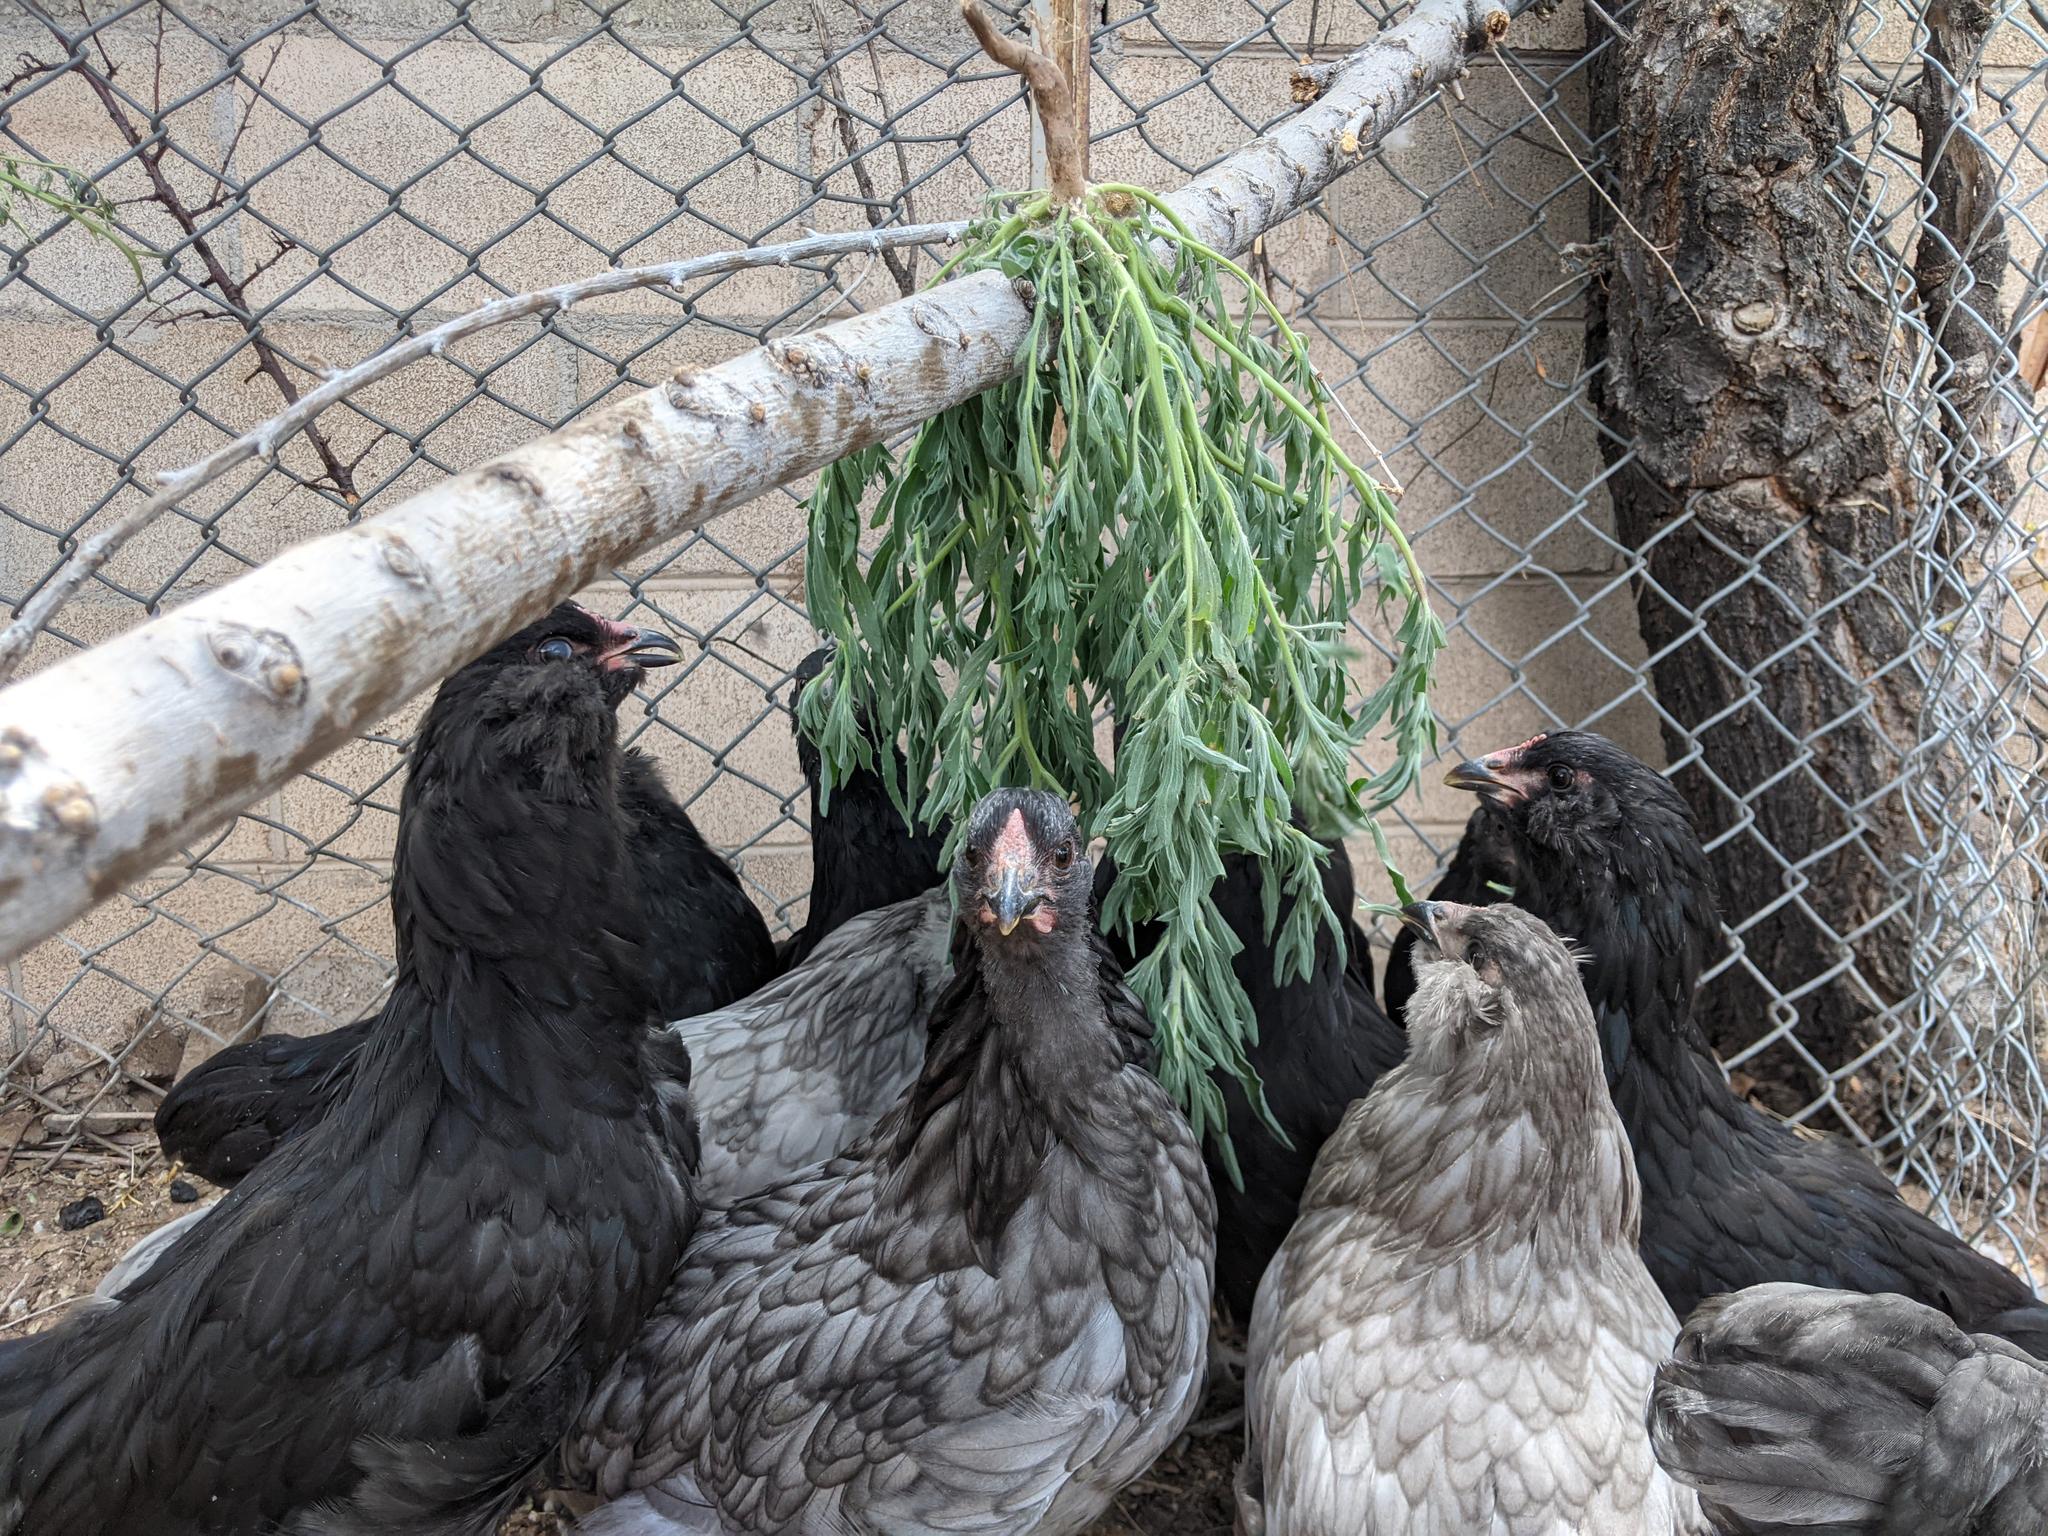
{"x":863,"y":854}
{"x":990,"y":1313}
{"x":709,"y":947}
{"x":1795,"y":1410}
{"x":1604,"y":850}
{"x":231,"y":1111}
{"x":709,"y":944}
{"x":1323,"y":1040}
{"x":391,"y":1323}
{"x":786,"y":1074}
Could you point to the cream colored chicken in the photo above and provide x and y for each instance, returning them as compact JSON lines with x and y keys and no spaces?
{"x":1457,"y":1337}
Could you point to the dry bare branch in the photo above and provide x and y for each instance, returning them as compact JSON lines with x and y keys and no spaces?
{"x":149,"y":155}
{"x":902,"y":266}
{"x":1066,"y":161}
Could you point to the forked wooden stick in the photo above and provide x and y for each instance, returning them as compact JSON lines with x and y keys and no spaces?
{"x":1066,"y":152}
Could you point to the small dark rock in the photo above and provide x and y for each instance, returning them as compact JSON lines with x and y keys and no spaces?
{"x":182,"y":1193}
{"x":81,"y":1213}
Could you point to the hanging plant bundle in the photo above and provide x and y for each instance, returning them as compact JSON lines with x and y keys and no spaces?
{"x":1150,"y":519}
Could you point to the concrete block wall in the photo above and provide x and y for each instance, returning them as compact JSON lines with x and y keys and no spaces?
{"x":413,"y":160}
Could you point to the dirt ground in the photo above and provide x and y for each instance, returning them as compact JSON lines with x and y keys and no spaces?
{"x":43,"y":1268}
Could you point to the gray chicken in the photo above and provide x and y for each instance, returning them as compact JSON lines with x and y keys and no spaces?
{"x":987,"y":1316}
{"x":1793,"y":1409}
{"x":790,"y":1076}
{"x":1458,"y":1337}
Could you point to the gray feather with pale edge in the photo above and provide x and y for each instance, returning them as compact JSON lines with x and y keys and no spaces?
{"x":797,"y":1072}
{"x":986,"y":1316}
{"x":1457,"y":1336}
{"x":1831,"y":1413}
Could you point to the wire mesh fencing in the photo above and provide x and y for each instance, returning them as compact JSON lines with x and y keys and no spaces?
{"x":299,"y":188}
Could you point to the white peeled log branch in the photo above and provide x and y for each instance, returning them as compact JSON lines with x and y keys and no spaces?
{"x":264,"y":440}
{"x":111,"y":758}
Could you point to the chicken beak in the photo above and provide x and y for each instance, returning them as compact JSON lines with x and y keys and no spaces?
{"x":651,"y":648}
{"x":1485,"y":781}
{"x":1421,"y":916}
{"x":1012,"y":900}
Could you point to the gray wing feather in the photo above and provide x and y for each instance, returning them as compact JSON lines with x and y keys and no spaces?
{"x":140,"y":1258}
{"x":810,"y":1375}
{"x":798,"y":1071}
{"x":1797,"y":1409}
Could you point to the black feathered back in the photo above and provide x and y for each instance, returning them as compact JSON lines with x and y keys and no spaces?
{"x":233,"y":1110}
{"x":864,"y":855}
{"x":709,"y":946}
{"x":393,"y":1318}
{"x":1731,"y":1197}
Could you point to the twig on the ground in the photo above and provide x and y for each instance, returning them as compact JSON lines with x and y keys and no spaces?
{"x":14,"y":1146}
{"x":28,"y":1317}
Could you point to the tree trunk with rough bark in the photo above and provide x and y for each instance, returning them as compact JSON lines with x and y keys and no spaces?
{"x":1769,"y":499}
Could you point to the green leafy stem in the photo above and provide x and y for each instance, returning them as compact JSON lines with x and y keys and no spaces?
{"x":1152,"y":519}
{"x":62,"y":191}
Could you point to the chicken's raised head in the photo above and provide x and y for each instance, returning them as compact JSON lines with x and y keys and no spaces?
{"x":543,"y":696}
{"x":1569,"y":791}
{"x":615,"y":655}
{"x":807,"y":672}
{"x":619,"y":654}
{"x":1022,"y":868}
{"x":1491,"y":968}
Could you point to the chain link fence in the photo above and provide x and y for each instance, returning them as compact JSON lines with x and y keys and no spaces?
{"x":300,"y":188}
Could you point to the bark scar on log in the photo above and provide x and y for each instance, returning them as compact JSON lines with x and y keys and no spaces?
{"x":71,"y":808}
{"x":264,"y":659}
{"x":801,"y":366}
{"x":519,"y":478}
{"x":400,"y":561}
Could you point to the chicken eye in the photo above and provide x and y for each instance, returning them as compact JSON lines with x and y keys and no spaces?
{"x":556,"y":649}
{"x":1063,"y":856}
{"x":1561,"y":777}
{"x":973,"y":857}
